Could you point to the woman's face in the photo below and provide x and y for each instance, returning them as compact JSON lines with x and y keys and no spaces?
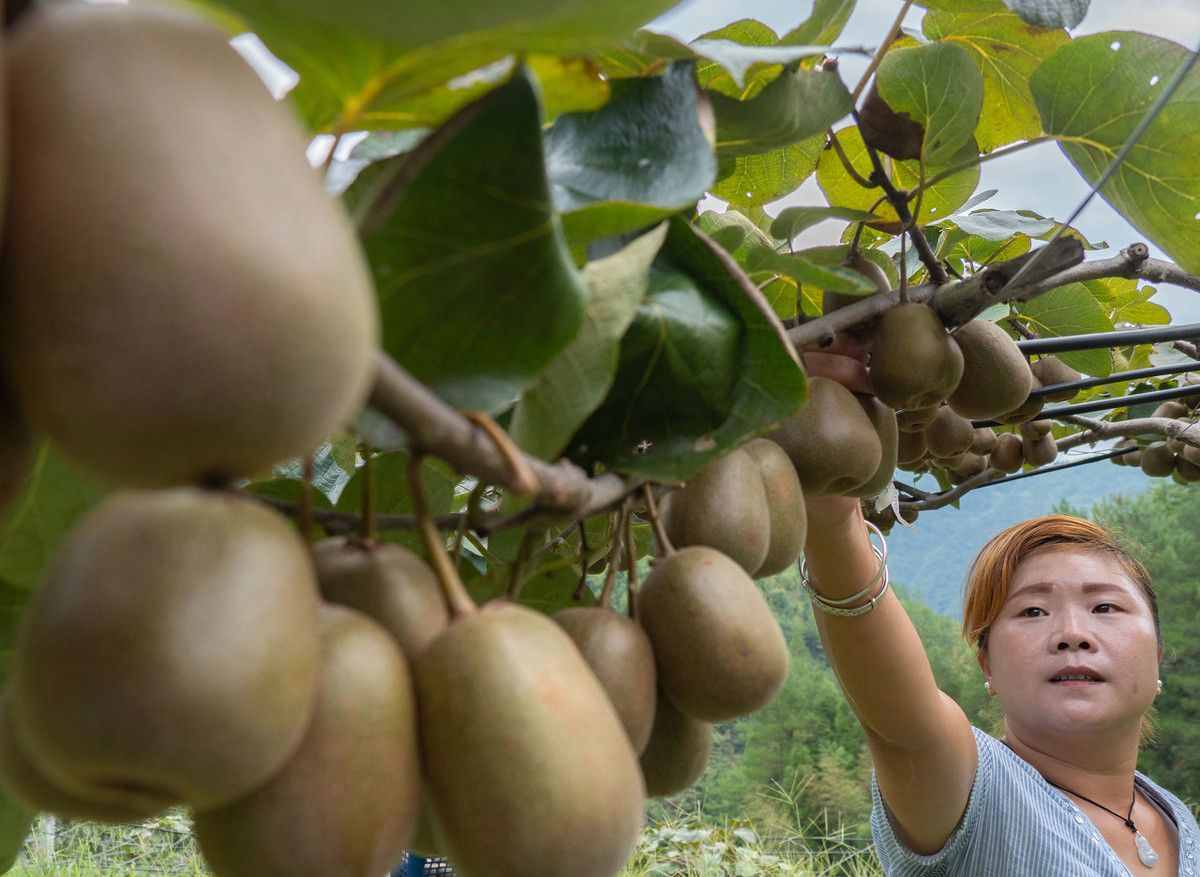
{"x":1073,"y":613}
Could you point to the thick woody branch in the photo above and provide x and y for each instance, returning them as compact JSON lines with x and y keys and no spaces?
{"x":1132,"y":263}
{"x":562,"y":488}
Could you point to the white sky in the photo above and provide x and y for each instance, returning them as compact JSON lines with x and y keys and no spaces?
{"x":1039,"y":178}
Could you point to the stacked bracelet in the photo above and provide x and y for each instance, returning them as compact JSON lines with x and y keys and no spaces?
{"x":843,"y":608}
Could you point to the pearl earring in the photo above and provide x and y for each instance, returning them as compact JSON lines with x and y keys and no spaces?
{"x":1160,"y":686}
{"x":987,"y":686}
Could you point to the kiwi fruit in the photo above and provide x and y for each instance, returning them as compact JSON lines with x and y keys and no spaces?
{"x":1039,"y":451}
{"x":619,"y":653}
{"x":883,"y":420}
{"x":831,"y":440}
{"x":1171,"y":409}
{"x":914,"y":362}
{"x":15,"y":823}
{"x":1035,"y":429}
{"x":1050,"y":370}
{"x":528,"y":768}
{"x":970,"y":466}
{"x":1123,"y":459}
{"x":1008,"y":455}
{"x":346,"y":801}
{"x":1189,"y":472}
{"x":724,"y":506}
{"x":910,"y":447}
{"x":386,"y":582}
{"x":1028,"y":410}
{"x":1157,"y":461}
{"x":916,"y":419}
{"x":948,"y":434}
{"x":719,"y":649}
{"x":984,"y":441}
{"x":996,"y":378}
{"x":831,"y":301}
{"x":785,"y":506}
{"x":677,"y":752}
{"x":32,"y":789}
{"x":1191,"y":454}
{"x":227,"y":320}
{"x":172,"y":652}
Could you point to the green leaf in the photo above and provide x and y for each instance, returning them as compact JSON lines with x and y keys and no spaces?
{"x":823,"y":25}
{"x":793,"y":107}
{"x":333,"y":464}
{"x":791,"y":221}
{"x":1071,"y":310}
{"x":641,"y":158}
{"x":753,"y":180}
{"x":938,"y":85}
{"x":547,"y":590}
{"x":835,"y":256}
{"x":1000,"y":225}
{"x":1128,"y":304}
{"x":980,"y":250}
{"x":477,"y":289}
{"x":1093,"y":93}
{"x":937,"y":201}
{"x":1050,"y":13}
{"x":572,"y":387}
{"x":362,"y":64}
{"x":755,"y":252}
{"x":681,"y":399}
{"x":55,"y":497}
{"x":392,"y":494}
{"x":781,"y":294}
{"x":1007,"y":51}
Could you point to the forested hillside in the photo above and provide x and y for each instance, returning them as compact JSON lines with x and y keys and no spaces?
{"x":801,"y":761}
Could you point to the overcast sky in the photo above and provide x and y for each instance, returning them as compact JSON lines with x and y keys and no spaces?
{"x":1039,"y":178}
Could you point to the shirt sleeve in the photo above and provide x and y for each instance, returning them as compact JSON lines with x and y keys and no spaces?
{"x":898,"y":860}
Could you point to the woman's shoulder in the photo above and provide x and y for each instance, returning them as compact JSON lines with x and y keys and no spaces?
{"x":1183,"y":813}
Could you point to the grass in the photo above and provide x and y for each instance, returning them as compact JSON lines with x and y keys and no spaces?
{"x":680,"y":845}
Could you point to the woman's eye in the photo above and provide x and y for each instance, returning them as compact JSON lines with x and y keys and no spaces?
{"x":1028,"y":612}
{"x":1106,"y":607}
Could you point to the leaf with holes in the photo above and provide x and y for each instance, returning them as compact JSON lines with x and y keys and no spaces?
{"x":1007,"y":51}
{"x":753,"y":180}
{"x":468,"y":254}
{"x":1071,"y":310}
{"x":643,"y":157}
{"x":938,"y":86}
{"x":1093,"y":93}
{"x":577,"y":381}
{"x":938,"y":201}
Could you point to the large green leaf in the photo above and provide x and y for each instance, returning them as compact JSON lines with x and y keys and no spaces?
{"x":834,"y":257}
{"x":477,"y":290}
{"x":362,"y":64}
{"x":1126,"y":303}
{"x":755,"y":252}
{"x":937,"y":201}
{"x":1050,"y":13}
{"x":791,"y":221}
{"x":1007,"y":51}
{"x":1071,"y":310}
{"x":753,"y":180}
{"x":796,"y":105}
{"x":641,"y":158}
{"x":939,"y":86}
{"x":572,"y":387}
{"x":705,"y":366}
{"x":1093,"y":93}
{"x":55,"y":497}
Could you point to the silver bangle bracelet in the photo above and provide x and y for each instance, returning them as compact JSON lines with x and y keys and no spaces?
{"x":835,"y":607}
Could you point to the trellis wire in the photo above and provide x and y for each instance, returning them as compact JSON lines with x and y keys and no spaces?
{"x":1116,"y":378}
{"x":1107,"y":404}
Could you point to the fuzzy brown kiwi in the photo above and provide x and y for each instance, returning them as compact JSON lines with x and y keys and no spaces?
{"x":892,"y":133}
{"x":984,"y":441}
{"x":832,"y":301}
{"x":785,"y":504}
{"x":1039,"y":451}
{"x":949,"y":434}
{"x":910,"y":448}
{"x":883,"y":419}
{"x":916,"y":419}
{"x":1008,"y":455}
{"x":914,"y":362}
{"x":1052,"y":370}
{"x":1157,"y":461}
{"x":996,"y":377}
{"x":227,"y":321}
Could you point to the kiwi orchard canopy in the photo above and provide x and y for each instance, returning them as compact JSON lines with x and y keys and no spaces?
{"x":281,"y":469}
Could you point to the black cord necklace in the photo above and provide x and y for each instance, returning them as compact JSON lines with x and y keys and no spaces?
{"x":1146,"y":853}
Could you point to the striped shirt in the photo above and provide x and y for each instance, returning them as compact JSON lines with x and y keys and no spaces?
{"x":1017,"y":824}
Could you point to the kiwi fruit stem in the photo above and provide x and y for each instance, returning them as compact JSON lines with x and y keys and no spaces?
{"x":665,"y":548}
{"x":458,"y":601}
{"x":366,"y":526}
{"x":630,"y":567}
{"x":516,"y":575}
{"x":614,"y":558}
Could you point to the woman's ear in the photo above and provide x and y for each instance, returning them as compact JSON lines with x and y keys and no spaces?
{"x":981,"y":656}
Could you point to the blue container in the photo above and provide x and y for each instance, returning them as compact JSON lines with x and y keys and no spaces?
{"x":418,"y":866}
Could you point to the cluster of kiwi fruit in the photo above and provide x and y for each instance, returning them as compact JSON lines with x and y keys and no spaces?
{"x":1169,"y":457}
{"x":184,"y":307}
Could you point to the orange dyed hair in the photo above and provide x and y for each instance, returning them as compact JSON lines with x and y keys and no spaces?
{"x":992,"y":572}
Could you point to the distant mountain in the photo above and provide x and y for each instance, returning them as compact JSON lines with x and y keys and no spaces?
{"x":931,"y":558}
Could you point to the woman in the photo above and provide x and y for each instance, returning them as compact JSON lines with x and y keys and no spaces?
{"x":1066,"y":630}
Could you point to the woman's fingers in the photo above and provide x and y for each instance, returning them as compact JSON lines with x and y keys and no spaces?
{"x":846,"y":370}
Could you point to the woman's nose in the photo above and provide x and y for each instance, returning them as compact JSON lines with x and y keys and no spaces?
{"x":1072,"y":634}
{"x":1073,"y":643}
